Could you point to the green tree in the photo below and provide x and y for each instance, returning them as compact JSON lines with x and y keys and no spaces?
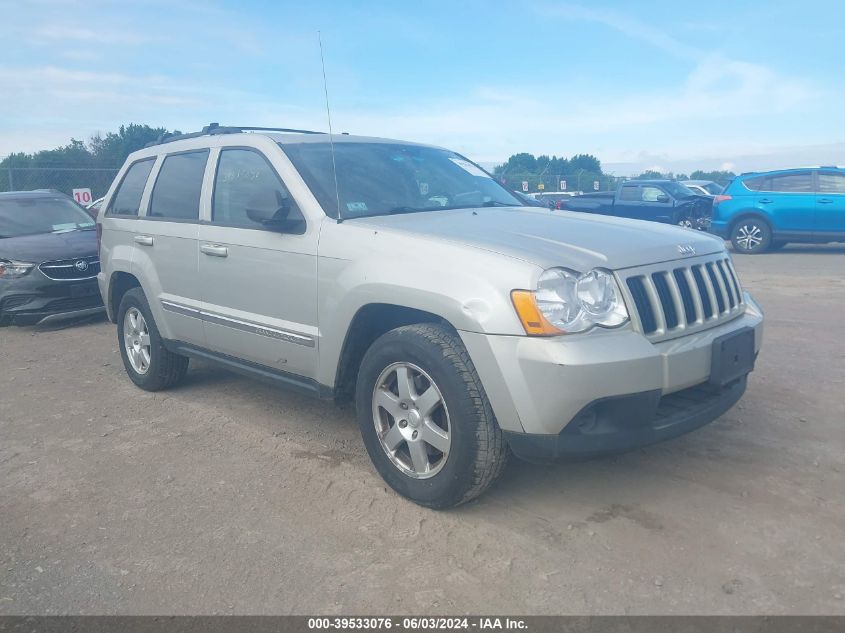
{"x":585,"y":162}
{"x":651,"y":174}
{"x":93,"y":164}
{"x":113,"y":148}
{"x":721,"y":177}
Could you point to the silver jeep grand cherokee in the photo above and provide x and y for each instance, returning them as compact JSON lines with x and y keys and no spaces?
{"x":463,"y":324}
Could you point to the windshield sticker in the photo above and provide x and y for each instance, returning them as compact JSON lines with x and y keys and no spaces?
{"x":469,"y":167}
{"x":423,"y":188}
{"x":356,"y":207}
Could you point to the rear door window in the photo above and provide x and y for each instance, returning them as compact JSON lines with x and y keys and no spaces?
{"x":631,"y":193}
{"x":831,"y":182}
{"x":800,"y":182}
{"x":127,"y":200}
{"x":176,"y":194}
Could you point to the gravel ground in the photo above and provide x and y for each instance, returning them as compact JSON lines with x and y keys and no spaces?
{"x":229,"y":496}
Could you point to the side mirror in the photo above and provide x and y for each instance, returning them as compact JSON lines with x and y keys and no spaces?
{"x":271,"y":209}
{"x":662,"y":198}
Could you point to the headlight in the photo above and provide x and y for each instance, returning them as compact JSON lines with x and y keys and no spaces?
{"x":568,"y":302}
{"x":11,"y":269}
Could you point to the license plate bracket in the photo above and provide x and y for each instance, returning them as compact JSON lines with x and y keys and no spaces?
{"x":732,"y":356}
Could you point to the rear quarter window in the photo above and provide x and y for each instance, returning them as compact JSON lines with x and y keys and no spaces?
{"x":755,"y":184}
{"x":831,"y":182}
{"x":127,"y":199}
{"x":630,"y":192}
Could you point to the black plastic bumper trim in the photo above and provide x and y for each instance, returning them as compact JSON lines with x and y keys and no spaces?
{"x":622,"y":423}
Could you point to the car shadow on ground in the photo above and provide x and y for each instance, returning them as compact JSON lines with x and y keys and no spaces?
{"x":54,"y":326}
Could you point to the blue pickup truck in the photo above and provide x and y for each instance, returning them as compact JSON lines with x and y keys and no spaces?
{"x":664,"y":201}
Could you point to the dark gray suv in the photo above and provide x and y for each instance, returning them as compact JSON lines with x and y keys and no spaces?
{"x":48,"y":259}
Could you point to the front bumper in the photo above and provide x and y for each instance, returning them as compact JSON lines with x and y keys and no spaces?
{"x":35,"y":299}
{"x":720,"y":228}
{"x":544,"y":386}
{"x":621,"y":423}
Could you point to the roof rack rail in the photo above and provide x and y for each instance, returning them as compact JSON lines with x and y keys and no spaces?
{"x":216,"y":128}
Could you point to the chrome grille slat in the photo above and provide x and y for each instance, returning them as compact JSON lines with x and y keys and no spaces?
{"x":65,"y":269}
{"x":711,"y":292}
{"x":728,"y":284}
{"x":735,"y":279}
{"x":669,"y":300}
{"x":654,"y":300}
{"x":724,"y":304}
{"x":675,"y":291}
{"x":696,"y":297}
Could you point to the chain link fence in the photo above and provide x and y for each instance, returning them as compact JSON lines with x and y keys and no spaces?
{"x":98,"y":179}
{"x":60,"y":178}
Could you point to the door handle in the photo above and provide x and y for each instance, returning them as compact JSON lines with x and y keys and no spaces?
{"x":824,"y":200}
{"x":143,"y":240}
{"x":764,"y":201}
{"x":215,"y":250}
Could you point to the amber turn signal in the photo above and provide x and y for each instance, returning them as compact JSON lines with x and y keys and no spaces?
{"x":533,"y":321}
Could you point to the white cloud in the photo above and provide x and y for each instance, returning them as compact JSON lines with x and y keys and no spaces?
{"x":70,"y":32}
{"x":625,"y":24}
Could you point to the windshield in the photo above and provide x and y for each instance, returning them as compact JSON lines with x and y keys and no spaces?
{"x":713,"y":188}
{"x":677,"y":190}
{"x":30,"y":216}
{"x":385,"y":178}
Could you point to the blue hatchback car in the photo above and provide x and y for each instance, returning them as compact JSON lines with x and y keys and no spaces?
{"x":758,"y":212}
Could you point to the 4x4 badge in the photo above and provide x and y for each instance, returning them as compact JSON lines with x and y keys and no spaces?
{"x":686,"y":249}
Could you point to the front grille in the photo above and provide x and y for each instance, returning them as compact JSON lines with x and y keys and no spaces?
{"x":675,"y":300}
{"x":78,"y":268}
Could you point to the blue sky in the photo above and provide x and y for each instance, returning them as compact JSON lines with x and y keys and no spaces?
{"x":671,"y":85}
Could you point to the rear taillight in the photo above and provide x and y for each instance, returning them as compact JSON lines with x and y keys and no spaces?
{"x":720,"y":198}
{"x":99,"y":237}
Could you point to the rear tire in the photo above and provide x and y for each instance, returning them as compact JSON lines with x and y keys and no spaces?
{"x":751,"y":236}
{"x":148,"y":363}
{"x":443,"y":401}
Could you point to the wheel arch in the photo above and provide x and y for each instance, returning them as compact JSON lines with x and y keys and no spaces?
{"x":119,"y":284}
{"x":747,"y":214}
{"x":370,"y":322}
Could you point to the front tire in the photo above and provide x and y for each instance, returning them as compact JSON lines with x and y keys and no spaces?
{"x":425,"y":418}
{"x":148,"y":363}
{"x":751,"y":236}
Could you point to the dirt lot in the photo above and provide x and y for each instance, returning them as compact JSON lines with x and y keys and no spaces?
{"x":229,"y":496}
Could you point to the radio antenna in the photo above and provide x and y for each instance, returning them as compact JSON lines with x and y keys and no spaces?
{"x":331,"y":136}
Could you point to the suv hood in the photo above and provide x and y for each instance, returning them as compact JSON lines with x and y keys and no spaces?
{"x":554,"y":238}
{"x":44,"y":247}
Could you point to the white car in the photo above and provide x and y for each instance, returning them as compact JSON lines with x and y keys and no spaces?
{"x":704,"y":187}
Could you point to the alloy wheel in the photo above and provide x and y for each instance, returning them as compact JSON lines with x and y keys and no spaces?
{"x":411,"y":420}
{"x":136,"y":338}
{"x":749,"y":237}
